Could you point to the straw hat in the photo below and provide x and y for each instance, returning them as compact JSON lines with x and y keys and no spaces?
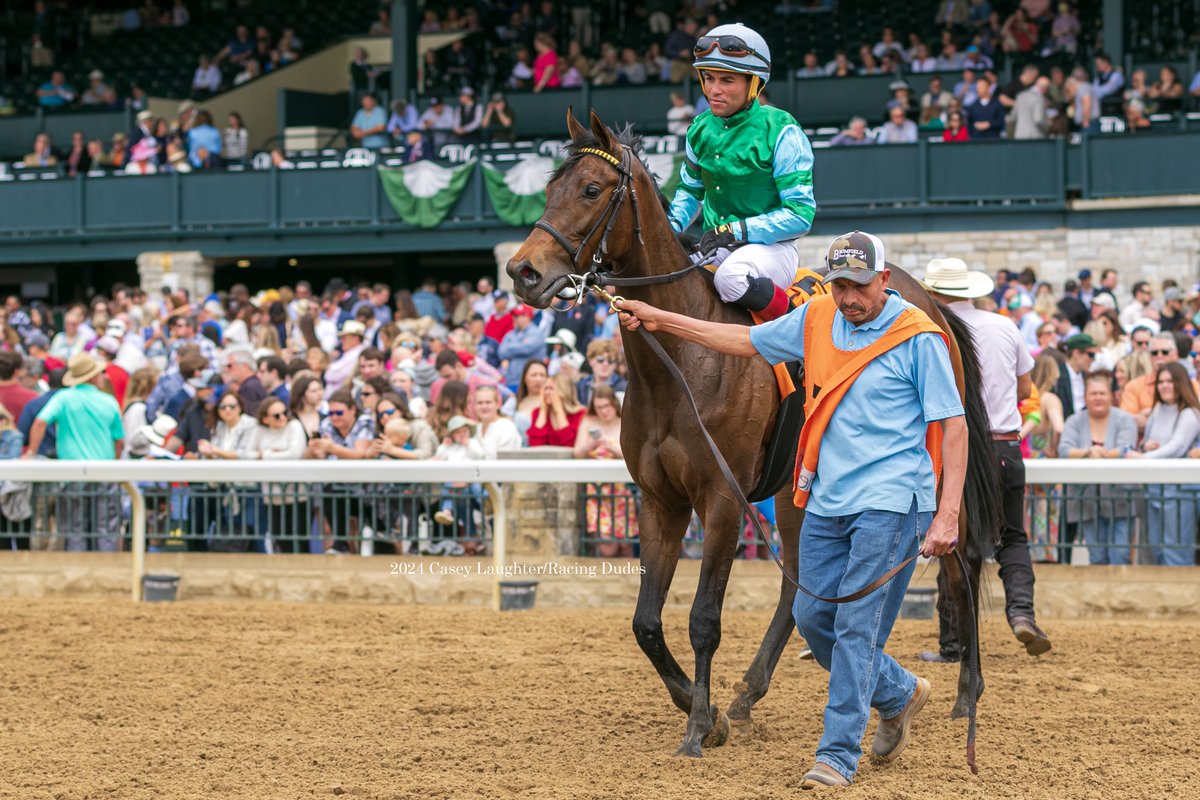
{"x":950,"y":276}
{"x":81,"y":369}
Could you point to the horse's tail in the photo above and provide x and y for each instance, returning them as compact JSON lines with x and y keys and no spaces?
{"x":981,"y":491}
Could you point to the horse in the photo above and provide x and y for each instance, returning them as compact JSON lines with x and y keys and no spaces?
{"x":588,"y":227}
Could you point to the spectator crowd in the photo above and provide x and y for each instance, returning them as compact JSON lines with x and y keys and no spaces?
{"x":449,"y":372}
{"x":458,"y":372}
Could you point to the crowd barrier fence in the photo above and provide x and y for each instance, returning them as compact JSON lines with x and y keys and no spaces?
{"x":228,"y":506}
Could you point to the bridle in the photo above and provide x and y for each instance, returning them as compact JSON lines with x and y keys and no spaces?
{"x":608,"y":218}
{"x":598,"y":275}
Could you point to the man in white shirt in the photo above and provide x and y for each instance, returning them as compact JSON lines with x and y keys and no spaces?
{"x":1005,"y":365}
{"x":1133,"y":313}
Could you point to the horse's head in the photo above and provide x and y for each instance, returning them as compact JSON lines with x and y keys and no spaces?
{"x":591,"y":215}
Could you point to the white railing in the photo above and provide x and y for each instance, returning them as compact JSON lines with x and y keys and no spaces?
{"x":491,"y":473}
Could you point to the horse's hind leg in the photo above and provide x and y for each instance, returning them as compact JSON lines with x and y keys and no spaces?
{"x":707,"y":725}
{"x":758,"y":675}
{"x":661,"y":531}
{"x":966,"y":622}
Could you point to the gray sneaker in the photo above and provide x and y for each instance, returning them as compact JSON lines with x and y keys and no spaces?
{"x":891,"y":735}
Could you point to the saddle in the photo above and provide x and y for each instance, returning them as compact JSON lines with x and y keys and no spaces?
{"x":780,"y":462}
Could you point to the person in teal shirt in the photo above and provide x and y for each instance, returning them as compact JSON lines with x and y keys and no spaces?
{"x":88,"y":424}
{"x":747,"y":173}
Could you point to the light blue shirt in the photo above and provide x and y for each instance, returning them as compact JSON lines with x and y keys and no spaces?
{"x":873,"y":455}
{"x":205,"y":136}
{"x":365,"y":120}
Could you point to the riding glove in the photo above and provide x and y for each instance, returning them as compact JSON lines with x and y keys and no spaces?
{"x":725,"y":236}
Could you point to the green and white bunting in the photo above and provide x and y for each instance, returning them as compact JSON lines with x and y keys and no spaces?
{"x":423,"y":193}
{"x":518,"y":194}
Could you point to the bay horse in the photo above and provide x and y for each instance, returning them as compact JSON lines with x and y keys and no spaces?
{"x":589,"y":227}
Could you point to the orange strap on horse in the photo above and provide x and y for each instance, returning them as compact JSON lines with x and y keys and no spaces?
{"x":830,"y":372}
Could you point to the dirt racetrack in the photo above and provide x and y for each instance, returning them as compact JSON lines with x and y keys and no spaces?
{"x":272,"y":700}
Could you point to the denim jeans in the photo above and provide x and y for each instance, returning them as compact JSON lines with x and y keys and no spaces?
{"x":1107,"y":538}
{"x":1171,"y":525}
{"x":839,"y":555}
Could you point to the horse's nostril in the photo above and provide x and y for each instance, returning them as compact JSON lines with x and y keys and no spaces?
{"x":526,"y":273}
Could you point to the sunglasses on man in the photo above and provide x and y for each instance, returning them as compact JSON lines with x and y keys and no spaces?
{"x":728,"y":45}
{"x":1161,"y":352}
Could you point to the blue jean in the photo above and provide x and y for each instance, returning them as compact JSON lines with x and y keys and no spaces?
{"x":838,"y":556}
{"x":1171,"y":525}
{"x":1107,"y":538}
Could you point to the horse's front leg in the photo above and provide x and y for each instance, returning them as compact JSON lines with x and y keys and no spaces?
{"x":707,"y":725}
{"x":661,"y":529}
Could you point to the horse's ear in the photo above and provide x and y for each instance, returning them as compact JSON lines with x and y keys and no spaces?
{"x":603,"y":135}
{"x":573,"y":126}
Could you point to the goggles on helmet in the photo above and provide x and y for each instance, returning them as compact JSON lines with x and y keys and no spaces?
{"x":729,"y":45}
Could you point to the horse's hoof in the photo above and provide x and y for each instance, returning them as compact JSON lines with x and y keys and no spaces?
{"x":739,"y":709}
{"x":959,"y":711}
{"x":719,"y":734}
{"x":689,"y":749}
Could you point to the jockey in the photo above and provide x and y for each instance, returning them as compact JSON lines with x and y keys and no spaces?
{"x":748,"y":170}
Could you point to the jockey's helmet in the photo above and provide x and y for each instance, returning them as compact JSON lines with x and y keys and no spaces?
{"x":735,"y":48}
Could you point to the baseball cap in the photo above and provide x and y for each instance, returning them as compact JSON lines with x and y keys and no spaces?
{"x":108,"y":344}
{"x":1084,"y":274}
{"x":1173,"y":293}
{"x":1104,"y":300}
{"x":1020,"y":300}
{"x":1080,"y":341}
{"x":37,"y":339}
{"x":856,"y":255}
{"x":353,"y":327}
{"x":499,"y":294}
{"x":522,"y":310}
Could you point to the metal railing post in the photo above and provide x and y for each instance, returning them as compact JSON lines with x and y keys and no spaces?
{"x":137,"y":502}
{"x":499,"y":539}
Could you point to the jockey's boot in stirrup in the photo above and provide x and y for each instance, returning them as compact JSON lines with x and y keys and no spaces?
{"x":765,"y":299}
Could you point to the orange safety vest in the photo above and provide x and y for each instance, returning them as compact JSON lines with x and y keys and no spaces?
{"x":829,"y":372}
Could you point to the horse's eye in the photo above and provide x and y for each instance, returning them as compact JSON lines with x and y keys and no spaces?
{"x":592,"y":191}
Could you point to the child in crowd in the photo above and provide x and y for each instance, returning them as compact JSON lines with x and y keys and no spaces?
{"x":460,"y":445}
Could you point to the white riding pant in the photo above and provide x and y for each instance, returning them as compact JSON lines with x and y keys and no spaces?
{"x":741,"y":265}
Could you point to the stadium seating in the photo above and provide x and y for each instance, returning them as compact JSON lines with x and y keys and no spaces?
{"x":162,"y":60}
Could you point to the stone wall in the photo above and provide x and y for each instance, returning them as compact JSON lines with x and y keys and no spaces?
{"x":1151,"y":254}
